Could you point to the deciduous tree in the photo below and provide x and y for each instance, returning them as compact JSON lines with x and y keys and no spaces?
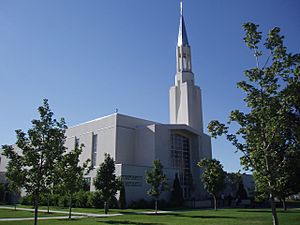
{"x":213,"y":177}
{"x":71,"y":174}
{"x":268,"y":133}
{"x":158,"y":181}
{"x":41,"y":148}
{"x":106,"y":182}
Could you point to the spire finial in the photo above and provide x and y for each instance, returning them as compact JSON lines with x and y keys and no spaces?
{"x":182,"y":36}
{"x":181,"y":8}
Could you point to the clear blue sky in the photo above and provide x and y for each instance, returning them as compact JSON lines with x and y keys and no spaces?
{"x":90,"y":57}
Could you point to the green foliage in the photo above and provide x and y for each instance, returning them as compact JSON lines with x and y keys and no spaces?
{"x":26,"y":200}
{"x":213,"y":177}
{"x":41,"y":149}
{"x":2,"y":192}
{"x":122,"y":197}
{"x":176,"y":194}
{"x":106,"y":182}
{"x":158,"y":181}
{"x":70,"y":174}
{"x":97,"y":200}
{"x":241,"y":192}
{"x":268,"y":135}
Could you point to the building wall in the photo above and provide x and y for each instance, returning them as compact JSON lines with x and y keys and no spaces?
{"x":134,"y":180}
{"x":144,"y":152}
{"x":205,"y":146}
{"x":104,"y":128}
{"x":133,"y":140}
{"x":134,"y":144}
{"x":185,"y":102}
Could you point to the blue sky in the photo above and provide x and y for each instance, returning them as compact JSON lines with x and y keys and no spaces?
{"x":90,"y":57}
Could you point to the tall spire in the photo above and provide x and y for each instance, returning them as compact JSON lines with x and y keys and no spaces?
{"x":183,"y":50}
{"x":182,"y":36}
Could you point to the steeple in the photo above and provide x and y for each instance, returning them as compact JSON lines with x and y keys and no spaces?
{"x":182,"y":36}
{"x":183,"y":51}
{"x":185,"y":96}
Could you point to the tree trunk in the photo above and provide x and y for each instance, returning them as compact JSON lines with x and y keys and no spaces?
{"x":36,"y":208}
{"x":48,"y":203}
{"x":274,"y":213}
{"x":70,"y":207}
{"x":105,"y":207}
{"x":155,"y":206}
{"x":215,"y":202}
{"x":284,"y":205}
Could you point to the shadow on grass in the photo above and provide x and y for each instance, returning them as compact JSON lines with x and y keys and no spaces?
{"x":127,"y":222}
{"x":192,"y":216}
{"x":266,"y":211}
{"x":73,"y":219}
{"x":207,"y":217}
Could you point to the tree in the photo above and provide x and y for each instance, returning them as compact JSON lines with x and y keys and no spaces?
{"x":158,"y":181}
{"x":71,"y":174}
{"x":41,"y":148}
{"x":268,"y":133}
{"x":122,"y":197}
{"x":176,"y":194}
{"x":213,"y":177}
{"x":14,"y":172}
{"x":233,"y":180}
{"x":106,"y":181}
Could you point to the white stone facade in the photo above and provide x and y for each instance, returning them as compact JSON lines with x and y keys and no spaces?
{"x":134,"y":144}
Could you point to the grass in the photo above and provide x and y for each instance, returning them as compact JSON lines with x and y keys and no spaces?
{"x":84,"y":210}
{"x":11,"y":213}
{"x":203,"y":217}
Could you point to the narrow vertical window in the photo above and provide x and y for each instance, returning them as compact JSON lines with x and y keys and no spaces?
{"x":184,"y":64}
{"x":180,"y":159}
{"x":94,"y":149}
{"x":76,"y":142}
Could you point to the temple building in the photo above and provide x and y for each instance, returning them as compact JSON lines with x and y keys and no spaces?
{"x":135,"y":143}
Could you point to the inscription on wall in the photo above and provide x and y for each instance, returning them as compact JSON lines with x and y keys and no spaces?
{"x":132,"y":180}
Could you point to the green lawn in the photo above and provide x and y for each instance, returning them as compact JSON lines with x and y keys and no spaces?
{"x":203,"y":217}
{"x":83,"y":210}
{"x":10,"y":213}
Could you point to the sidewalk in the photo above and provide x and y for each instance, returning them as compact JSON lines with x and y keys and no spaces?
{"x":41,"y":218}
{"x":77,"y":214}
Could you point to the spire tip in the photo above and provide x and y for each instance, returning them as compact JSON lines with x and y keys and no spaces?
{"x":181,"y":8}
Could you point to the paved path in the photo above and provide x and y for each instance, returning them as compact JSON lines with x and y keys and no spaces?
{"x":40,"y":218}
{"x":77,"y":214}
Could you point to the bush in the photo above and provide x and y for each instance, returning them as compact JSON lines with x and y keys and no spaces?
{"x":82,"y":199}
{"x":96,"y":200}
{"x":140,"y":204}
{"x":26,"y":200}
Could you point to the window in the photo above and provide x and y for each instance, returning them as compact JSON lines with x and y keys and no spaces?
{"x":180,"y":159}
{"x":87,"y":184}
{"x":76,"y":142}
{"x":94,"y":149}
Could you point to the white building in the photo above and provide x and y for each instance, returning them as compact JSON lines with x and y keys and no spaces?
{"x":135,"y":143}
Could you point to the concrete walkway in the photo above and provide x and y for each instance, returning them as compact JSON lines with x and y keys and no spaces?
{"x":41,"y":218}
{"x":75,"y":215}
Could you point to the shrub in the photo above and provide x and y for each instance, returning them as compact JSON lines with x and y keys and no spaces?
{"x":26,"y":200}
